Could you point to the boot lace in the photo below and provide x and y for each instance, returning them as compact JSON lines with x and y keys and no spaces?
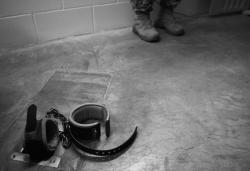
{"x":145,"y":22}
{"x":170,"y":19}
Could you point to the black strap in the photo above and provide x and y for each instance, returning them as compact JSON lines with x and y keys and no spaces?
{"x":68,"y":138}
{"x":109,"y":152}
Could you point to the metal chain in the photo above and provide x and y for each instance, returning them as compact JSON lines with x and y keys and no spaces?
{"x":63,"y":135}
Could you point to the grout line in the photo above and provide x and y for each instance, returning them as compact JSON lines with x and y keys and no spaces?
{"x":36,"y":28}
{"x":60,"y":10}
{"x":63,"y":6}
{"x":93,"y":20}
{"x":108,"y":4}
{"x":16,"y":16}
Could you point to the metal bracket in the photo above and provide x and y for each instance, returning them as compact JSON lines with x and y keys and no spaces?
{"x":22,"y":157}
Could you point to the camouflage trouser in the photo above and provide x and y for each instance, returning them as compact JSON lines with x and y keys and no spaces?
{"x":146,"y":5}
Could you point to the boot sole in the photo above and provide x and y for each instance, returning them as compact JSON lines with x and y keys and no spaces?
{"x":156,"y":39}
{"x":179,"y":33}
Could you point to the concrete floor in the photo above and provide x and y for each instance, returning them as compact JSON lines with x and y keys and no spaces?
{"x":189,"y":96}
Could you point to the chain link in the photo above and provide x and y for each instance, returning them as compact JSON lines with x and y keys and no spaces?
{"x":63,"y":135}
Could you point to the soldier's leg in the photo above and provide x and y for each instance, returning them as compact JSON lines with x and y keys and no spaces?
{"x":142,"y":5}
{"x":169,"y":3}
{"x":143,"y":26}
{"x":166,"y":19}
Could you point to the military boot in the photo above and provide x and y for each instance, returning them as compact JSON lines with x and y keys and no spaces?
{"x":144,"y":28}
{"x":167,"y":21}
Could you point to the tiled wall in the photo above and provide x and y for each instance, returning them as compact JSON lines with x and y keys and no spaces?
{"x":33,"y":21}
{"x":194,"y":7}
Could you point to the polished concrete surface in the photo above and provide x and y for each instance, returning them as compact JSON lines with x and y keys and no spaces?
{"x":189,"y":95}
